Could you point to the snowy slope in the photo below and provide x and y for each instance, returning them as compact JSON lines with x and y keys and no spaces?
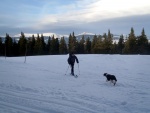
{"x":41,"y":86}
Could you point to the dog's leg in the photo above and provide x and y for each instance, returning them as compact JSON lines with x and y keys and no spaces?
{"x":111,"y":81}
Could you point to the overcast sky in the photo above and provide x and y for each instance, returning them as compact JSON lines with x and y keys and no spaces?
{"x":65,"y":16}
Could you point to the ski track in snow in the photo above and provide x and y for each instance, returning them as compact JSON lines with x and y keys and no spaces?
{"x":41,"y":86}
{"x":30,"y":102}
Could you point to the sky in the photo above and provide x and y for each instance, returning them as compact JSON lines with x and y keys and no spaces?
{"x":67,"y":16}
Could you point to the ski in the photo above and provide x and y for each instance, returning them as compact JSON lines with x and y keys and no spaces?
{"x":76,"y":76}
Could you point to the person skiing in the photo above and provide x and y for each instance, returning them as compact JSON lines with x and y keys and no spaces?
{"x":71,"y":61}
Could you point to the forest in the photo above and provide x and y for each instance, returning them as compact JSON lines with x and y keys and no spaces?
{"x":100,"y":44}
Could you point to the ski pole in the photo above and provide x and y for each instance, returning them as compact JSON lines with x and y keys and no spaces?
{"x":78,"y":69}
{"x":67,"y":70}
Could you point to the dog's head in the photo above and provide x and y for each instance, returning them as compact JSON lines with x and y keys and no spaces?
{"x":105,"y":74}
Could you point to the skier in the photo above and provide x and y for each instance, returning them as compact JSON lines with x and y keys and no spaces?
{"x":71,"y":61}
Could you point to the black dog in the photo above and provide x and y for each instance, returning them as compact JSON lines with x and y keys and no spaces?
{"x":110,"y":78}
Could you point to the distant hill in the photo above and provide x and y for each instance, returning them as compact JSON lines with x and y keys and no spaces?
{"x":86,"y":35}
{"x":78,"y":37}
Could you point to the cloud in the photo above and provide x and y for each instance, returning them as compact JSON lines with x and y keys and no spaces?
{"x":86,"y":11}
{"x":120,"y":25}
{"x":72,"y":15}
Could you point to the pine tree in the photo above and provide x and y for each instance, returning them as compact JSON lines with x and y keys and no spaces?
{"x":108,"y":42}
{"x":49,"y":45}
{"x":75,"y":44}
{"x":32,"y":44}
{"x":15,"y":48}
{"x":149,"y":48}
{"x":72,"y":44}
{"x":8,"y":45}
{"x":88,"y":46}
{"x":131,"y":44}
{"x":115,"y":48}
{"x":121,"y":44}
{"x":42,"y":44}
{"x":77,"y":47}
{"x":22,"y":44}
{"x":70,"y":41}
{"x":62,"y":46}
{"x":142,"y":43}
{"x":1,"y":47}
{"x":94,"y":41}
{"x":104,"y":43}
{"x":81,"y":45}
{"x":99,"y":45}
{"x":37,"y":46}
{"x":53,"y":45}
{"x":56,"y":46}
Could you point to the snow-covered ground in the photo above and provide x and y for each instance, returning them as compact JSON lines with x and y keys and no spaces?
{"x":41,"y":86}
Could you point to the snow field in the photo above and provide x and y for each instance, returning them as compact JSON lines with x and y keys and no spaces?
{"x":41,"y":86}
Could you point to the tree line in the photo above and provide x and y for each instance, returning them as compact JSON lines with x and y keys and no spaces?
{"x":100,"y":44}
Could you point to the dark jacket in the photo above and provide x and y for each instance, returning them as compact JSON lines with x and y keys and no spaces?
{"x":72,"y":58}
